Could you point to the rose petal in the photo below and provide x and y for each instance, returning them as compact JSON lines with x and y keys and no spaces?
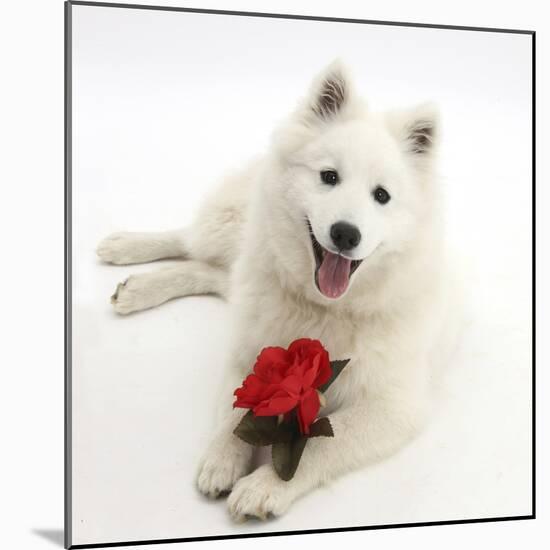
{"x":271,"y":364}
{"x":305,"y":347}
{"x":283,"y":378}
{"x":291,"y":384}
{"x":325,"y":370}
{"x":308,"y":408}
{"x":276,"y":405}
{"x":251,"y":384}
{"x":311,"y":370}
{"x":253,"y":391}
{"x":298,"y":368}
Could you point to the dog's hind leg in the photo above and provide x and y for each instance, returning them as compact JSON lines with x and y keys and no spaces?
{"x":214,"y":236}
{"x":126,"y":248}
{"x":147,"y":290}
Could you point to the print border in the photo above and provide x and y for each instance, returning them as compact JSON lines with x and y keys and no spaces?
{"x":68,"y":272}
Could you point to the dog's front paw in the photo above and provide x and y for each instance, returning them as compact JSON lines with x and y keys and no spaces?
{"x":261,"y":494}
{"x":222,"y":467}
{"x":121,"y":248}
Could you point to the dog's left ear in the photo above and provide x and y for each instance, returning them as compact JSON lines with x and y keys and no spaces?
{"x":416,"y":129}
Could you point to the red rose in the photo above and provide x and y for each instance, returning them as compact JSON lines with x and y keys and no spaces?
{"x":284,"y":380}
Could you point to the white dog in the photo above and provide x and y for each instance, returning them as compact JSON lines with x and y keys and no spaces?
{"x":334,"y":235}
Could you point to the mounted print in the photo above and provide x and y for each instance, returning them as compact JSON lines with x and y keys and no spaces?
{"x":299,"y":274}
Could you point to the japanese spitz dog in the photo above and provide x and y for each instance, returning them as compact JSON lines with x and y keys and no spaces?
{"x":335,"y":234}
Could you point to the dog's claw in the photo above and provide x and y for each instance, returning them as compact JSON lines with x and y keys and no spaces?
{"x":114,"y":297}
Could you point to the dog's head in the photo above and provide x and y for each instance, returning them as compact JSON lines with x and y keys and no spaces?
{"x":349,"y":188}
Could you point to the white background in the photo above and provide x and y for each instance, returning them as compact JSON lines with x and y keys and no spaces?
{"x":32,"y":212}
{"x":163,"y":104}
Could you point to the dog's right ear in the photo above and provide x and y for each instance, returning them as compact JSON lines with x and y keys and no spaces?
{"x":329,"y":98}
{"x":329,"y":95}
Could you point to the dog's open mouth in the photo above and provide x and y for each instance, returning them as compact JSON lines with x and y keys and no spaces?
{"x":332,"y":271}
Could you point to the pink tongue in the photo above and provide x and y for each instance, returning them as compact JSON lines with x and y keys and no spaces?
{"x":333,"y":275}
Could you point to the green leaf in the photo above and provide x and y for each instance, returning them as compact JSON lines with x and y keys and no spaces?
{"x":321,"y":427}
{"x":337,"y":367}
{"x":286,"y":456}
{"x":261,"y":430}
{"x":256,"y":430}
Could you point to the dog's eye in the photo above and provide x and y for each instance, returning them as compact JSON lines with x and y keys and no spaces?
{"x":381,"y":195}
{"x":330,"y":177}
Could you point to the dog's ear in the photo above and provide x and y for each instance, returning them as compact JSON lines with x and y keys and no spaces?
{"x":417,"y":129}
{"x":330,"y":96}
{"x":330,"y":93}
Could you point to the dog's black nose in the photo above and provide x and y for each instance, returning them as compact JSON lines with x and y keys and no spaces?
{"x":345,"y":236}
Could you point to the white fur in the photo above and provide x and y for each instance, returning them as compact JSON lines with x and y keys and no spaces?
{"x":250,"y":243}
